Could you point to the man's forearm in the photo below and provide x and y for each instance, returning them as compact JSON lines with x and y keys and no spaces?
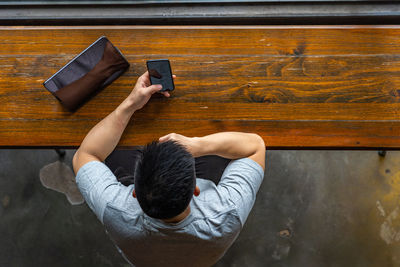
{"x":232,"y":145}
{"x":104,"y":137}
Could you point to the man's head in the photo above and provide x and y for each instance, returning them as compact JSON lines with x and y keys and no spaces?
{"x":165,"y":180}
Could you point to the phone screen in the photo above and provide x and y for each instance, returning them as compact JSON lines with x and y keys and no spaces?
{"x":160,"y":73}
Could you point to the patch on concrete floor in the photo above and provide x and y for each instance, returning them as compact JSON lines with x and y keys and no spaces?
{"x":390,"y":228}
{"x":380,"y":208}
{"x":388,"y":205}
{"x":281,"y":251}
{"x":5,"y":201}
{"x":59,"y":177}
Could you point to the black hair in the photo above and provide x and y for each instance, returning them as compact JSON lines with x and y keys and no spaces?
{"x":165,"y":180}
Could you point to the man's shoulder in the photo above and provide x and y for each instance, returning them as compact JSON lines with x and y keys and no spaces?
{"x":212,"y":202}
{"x":238,"y":187}
{"x":215,"y":220}
{"x":244,"y":166}
{"x":125,"y":204}
{"x":123,"y":220}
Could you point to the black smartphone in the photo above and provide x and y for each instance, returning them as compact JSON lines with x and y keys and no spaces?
{"x":80,"y":65}
{"x":160,"y":73}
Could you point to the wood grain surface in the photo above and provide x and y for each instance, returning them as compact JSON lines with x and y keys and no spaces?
{"x":298,"y":87}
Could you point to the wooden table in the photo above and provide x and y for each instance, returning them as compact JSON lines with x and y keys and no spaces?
{"x":298,"y":87}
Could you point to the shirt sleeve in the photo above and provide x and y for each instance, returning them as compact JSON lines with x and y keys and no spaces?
{"x":240,"y":183}
{"x":98,"y":186}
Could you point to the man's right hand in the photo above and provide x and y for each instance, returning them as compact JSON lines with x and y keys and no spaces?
{"x":143,"y":90}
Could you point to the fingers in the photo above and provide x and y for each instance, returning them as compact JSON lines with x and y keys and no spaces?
{"x":165,"y":138}
{"x":166,"y":94}
{"x":154,"y":88}
{"x":145,"y":78}
{"x":169,"y":137}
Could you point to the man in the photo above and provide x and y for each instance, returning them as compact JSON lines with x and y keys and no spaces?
{"x":156,"y":221}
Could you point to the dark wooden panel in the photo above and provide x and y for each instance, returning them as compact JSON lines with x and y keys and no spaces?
{"x":274,"y":12}
{"x":296,"y":86}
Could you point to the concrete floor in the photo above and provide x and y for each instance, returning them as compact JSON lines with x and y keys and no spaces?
{"x":315,"y":208}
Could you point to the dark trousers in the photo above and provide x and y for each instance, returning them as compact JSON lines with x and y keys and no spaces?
{"x":123,"y":163}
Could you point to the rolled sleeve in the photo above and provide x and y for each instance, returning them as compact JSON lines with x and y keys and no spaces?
{"x":98,"y":186}
{"x":240,"y":183}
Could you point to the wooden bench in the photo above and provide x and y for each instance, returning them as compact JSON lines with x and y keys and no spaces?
{"x":298,"y":87}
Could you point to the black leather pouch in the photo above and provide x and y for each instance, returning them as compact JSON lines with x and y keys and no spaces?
{"x":92,"y":70}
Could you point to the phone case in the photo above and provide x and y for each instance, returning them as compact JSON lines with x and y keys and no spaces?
{"x":158,"y":69}
{"x":89,"y":72}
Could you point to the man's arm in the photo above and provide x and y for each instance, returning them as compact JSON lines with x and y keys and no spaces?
{"x":231,"y":145}
{"x":104,"y":137}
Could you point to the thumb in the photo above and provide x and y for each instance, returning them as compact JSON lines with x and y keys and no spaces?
{"x":154,"y":88}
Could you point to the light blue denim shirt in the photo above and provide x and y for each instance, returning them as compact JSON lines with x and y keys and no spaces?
{"x":201,"y":239}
